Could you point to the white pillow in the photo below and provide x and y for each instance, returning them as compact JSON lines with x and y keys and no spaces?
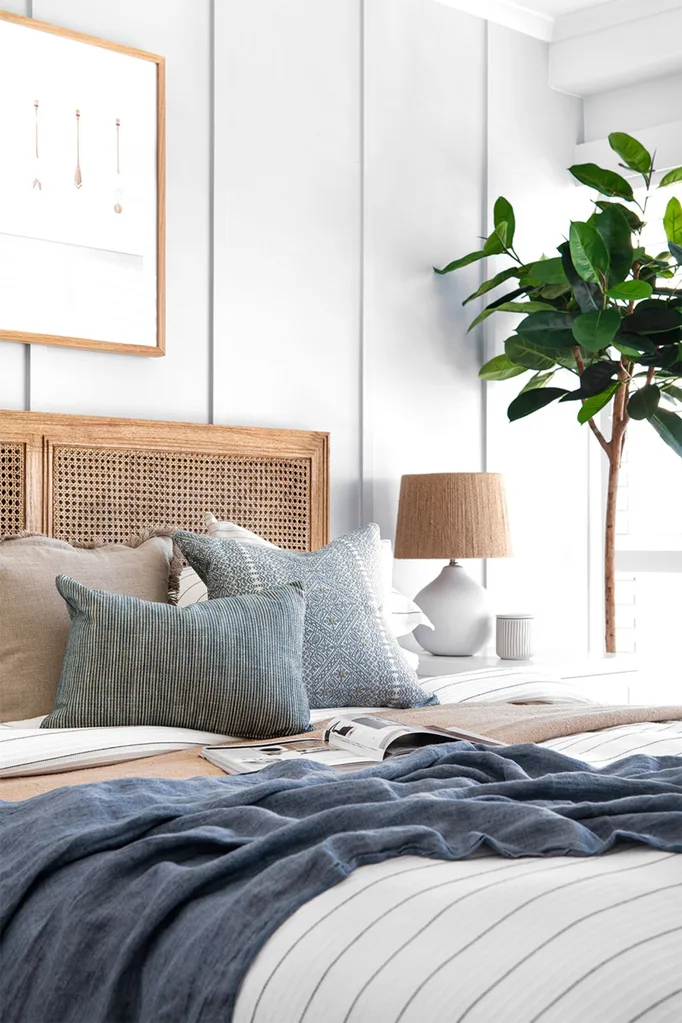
{"x":401,"y":612}
{"x":504,"y":684}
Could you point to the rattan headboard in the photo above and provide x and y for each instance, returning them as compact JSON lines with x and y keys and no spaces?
{"x":82,"y":478}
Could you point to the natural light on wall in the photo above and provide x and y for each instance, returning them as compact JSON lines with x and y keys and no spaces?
{"x":649,"y":540}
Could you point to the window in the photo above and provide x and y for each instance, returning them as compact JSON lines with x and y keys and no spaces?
{"x":649,"y":528}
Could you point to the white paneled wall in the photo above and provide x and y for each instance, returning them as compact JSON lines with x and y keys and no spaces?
{"x":425,"y":152}
{"x":357,"y":143}
{"x":288,"y":101}
{"x":532,"y":130}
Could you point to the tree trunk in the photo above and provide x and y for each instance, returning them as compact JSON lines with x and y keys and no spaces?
{"x":610,"y":551}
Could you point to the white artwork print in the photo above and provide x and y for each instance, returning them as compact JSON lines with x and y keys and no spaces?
{"x":78,"y":189}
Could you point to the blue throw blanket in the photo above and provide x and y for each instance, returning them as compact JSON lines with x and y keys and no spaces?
{"x":146,"y":900}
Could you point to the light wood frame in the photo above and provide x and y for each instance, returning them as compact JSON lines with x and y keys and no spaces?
{"x":111,"y":346}
{"x":30,"y":482}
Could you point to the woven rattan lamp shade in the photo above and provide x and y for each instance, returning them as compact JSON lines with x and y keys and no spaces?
{"x":452,"y":515}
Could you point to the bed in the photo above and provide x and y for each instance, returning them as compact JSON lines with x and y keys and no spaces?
{"x":418,"y":934}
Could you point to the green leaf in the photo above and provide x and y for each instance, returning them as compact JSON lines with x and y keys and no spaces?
{"x":588,"y":252}
{"x":672,"y":221}
{"x":653,"y":316}
{"x":674,"y":391}
{"x":629,"y":351}
{"x":524,"y":307}
{"x":548,"y":329}
{"x":472,"y":257}
{"x":644,"y":402}
{"x":523,"y":353}
{"x":531,"y":401}
{"x":496,"y":243}
{"x":665,"y":358}
{"x":605,"y":181}
{"x":506,"y":307}
{"x":671,"y":178}
{"x":494,"y":282}
{"x":547,"y":271}
{"x":668,"y":426}
{"x":504,"y":220}
{"x":588,"y":296}
{"x":633,"y":220}
{"x":617,"y":237}
{"x":594,"y":379}
{"x":500,"y":368}
{"x":676,"y":252}
{"x":631,"y":152}
{"x":591,"y":406}
{"x":630,"y":291}
{"x":549,"y":292}
{"x":539,"y":380}
{"x":596,"y":330}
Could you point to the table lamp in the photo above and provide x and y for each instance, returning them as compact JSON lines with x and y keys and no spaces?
{"x":453,"y":515}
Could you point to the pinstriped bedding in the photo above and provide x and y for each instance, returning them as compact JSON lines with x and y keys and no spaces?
{"x":532,"y":941}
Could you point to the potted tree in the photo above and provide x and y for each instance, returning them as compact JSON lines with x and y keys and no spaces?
{"x":606,"y":311}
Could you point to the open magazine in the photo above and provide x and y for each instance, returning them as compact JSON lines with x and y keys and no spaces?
{"x":348,"y":743}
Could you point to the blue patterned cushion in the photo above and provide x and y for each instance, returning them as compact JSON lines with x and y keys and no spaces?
{"x":230,"y":666}
{"x":350,"y":657}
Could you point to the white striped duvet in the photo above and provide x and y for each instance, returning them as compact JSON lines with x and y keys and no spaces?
{"x":557,"y":940}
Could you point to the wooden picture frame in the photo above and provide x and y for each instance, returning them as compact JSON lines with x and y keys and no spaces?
{"x":138,"y":325}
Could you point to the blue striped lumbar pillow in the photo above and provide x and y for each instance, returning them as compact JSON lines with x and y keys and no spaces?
{"x":350,"y":656}
{"x":231,"y":666}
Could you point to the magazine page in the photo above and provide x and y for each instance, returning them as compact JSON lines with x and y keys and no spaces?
{"x":376,"y":737}
{"x":365,"y":734}
{"x":255,"y":757}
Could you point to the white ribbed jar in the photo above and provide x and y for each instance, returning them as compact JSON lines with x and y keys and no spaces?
{"x":514,"y":637}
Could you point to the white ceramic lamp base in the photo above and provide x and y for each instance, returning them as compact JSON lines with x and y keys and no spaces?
{"x":460,"y":611}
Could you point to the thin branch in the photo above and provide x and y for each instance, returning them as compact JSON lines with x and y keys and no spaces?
{"x":580,"y":363}
{"x":578,"y":356}
{"x":600,"y":436}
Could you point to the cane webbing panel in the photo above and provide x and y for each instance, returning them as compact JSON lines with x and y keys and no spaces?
{"x":109,"y":494}
{"x":12,"y":489}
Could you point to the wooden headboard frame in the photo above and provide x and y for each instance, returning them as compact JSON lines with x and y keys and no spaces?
{"x":83,"y":478}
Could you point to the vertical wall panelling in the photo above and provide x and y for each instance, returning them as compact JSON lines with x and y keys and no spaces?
{"x":174,"y":387}
{"x":321,"y":158}
{"x":424,"y":146}
{"x":533,"y":130}
{"x":210,"y":397}
{"x":15,"y":360}
{"x":287,"y":224}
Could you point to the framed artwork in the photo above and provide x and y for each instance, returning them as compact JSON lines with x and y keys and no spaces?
{"x":82,"y":190}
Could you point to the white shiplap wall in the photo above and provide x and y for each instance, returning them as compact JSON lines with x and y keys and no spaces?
{"x":357,"y":143}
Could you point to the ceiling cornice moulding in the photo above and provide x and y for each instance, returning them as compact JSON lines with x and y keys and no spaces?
{"x":540,"y":25}
{"x":509,"y":14}
{"x":607,"y":15}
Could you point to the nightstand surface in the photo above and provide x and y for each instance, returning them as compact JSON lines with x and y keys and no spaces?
{"x":608,"y":678}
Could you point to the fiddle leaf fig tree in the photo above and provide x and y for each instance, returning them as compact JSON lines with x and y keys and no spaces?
{"x":604,"y":315}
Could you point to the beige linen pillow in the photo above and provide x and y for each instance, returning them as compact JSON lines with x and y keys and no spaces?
{"x":34,"y":621}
